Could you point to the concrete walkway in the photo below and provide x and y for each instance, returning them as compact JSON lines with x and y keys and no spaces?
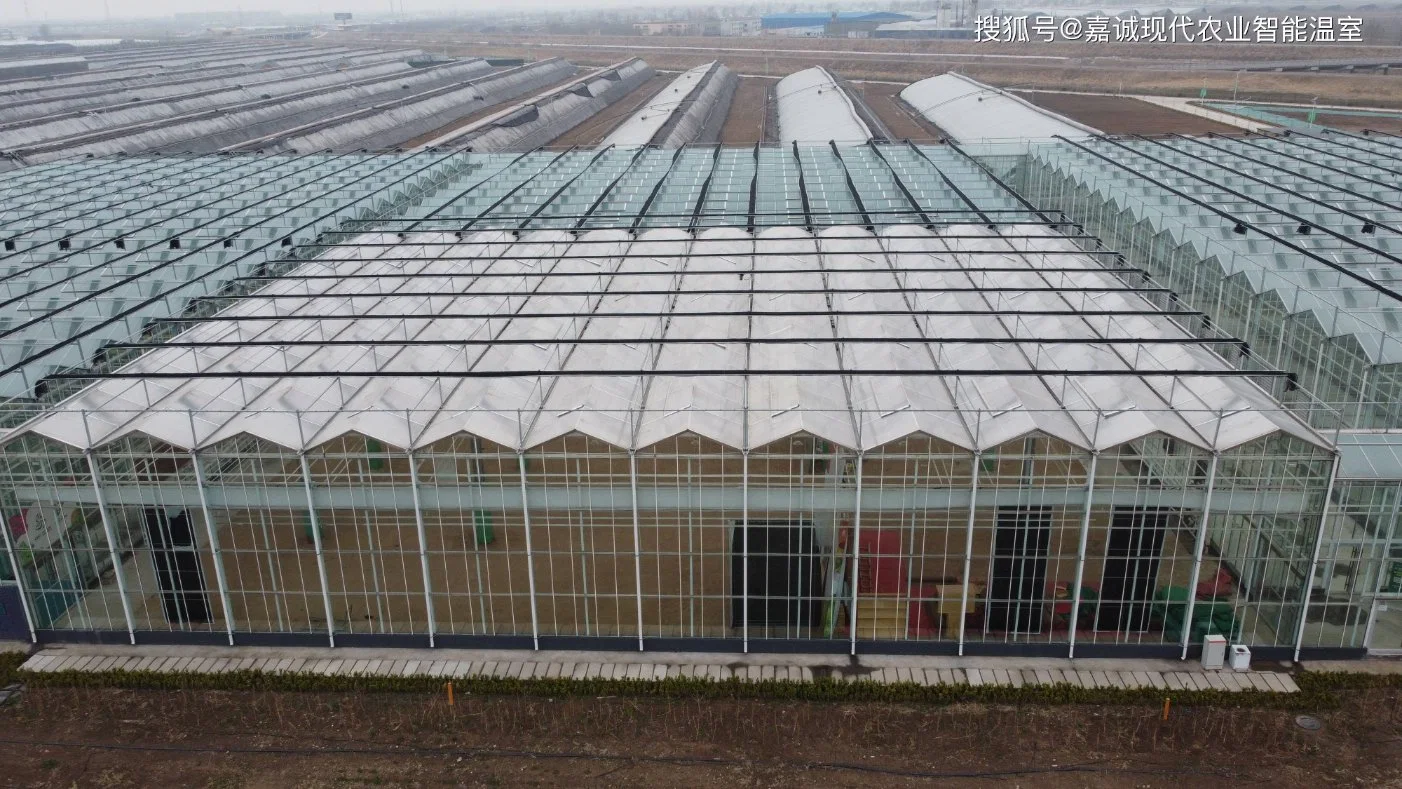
{"x":1168,"y":675}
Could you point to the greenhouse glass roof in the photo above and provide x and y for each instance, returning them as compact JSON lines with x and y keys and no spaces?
{"x":1316,"y":220}
{"x":91,"y":250}
{"x":973,"y":335}
{"x":861,"y":293}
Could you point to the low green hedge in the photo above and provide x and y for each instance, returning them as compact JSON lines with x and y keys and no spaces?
{"x":1317,"y":690}
{"x":9,"y":666}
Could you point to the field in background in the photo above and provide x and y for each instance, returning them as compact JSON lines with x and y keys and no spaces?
{"x":1121,"y":115}
{"x":1156,"y":69}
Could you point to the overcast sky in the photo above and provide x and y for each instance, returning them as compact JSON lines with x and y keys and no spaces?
{"x":39,"y":10}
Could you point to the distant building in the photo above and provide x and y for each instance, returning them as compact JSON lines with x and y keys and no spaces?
{"x":738,"y":27}
{"x":668,"y":28}
{"x":799,"y":32}
{"x":922,"y":29}
{"x":841,"y":24}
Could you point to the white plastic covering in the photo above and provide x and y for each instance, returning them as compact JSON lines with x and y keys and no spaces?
{"x":143,"y":85}
{"x":537,"y":121}
{"x":388,"y":78}
{"x":385,"y":126}
{"x":970,"y":111}
{"x":43,"y":67}
{"x":814,"y":108}
{"x":249,"y":59}
{"x":855,"y":394}
{"x":680,"y":113}
{"x":212,"y":130}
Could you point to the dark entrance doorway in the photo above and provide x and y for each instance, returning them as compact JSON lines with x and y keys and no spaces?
{"x":178,"y":571}
{"x":13,"y":625}
{"x":1132,"y":553}
{"x":1018,"y":578}
{"x":783,"y":573}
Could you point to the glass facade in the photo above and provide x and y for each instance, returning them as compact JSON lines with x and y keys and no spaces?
{"x":1290,"y":243}
{"x":1032,"y":542}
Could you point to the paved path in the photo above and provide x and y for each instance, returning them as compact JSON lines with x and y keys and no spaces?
{"x":1166,"y":675}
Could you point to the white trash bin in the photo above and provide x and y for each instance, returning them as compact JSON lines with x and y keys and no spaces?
{"x":1214,"y":652}
{"x":1240,"y":658}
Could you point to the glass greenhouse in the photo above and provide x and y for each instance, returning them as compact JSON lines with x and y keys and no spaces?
{"x":806,"y":397}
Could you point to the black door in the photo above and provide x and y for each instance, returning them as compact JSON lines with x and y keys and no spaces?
{"x":178,"y":571}
{"x":783,"y":564}
{"x":1132,"y":553}
{"x":13,"y":625}
{"x":1018,"y":579}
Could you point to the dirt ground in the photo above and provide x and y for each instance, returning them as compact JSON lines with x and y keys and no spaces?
{"x":111,"y":738}
{"x":1176,"y":70}
{"x":883,"y":98}
{"x":745,"y":123}
{"x":594,"y":129}
{"x":1121,"y":115}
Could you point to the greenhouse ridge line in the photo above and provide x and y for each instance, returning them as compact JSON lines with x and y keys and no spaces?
{"x":390,"y":275}
{"x":1342,"y":269}
{"x":684,"y":372}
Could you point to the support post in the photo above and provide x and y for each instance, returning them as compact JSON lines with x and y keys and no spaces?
{"x":423,"y":547}
{"x":1314,"y":559}
{"x":745,"y":551}
{"x":320,"y":554}
{"x":1081,"y":553}
{"x":19,"y":579}
{"x":530,"y":554}
{"x":856,"y":560}
{"x":969,"y":546}
{"x":637,"y":548}
{"x":219,"y":577}
{"x":112,"y":551}
{"x":1198,"y":549}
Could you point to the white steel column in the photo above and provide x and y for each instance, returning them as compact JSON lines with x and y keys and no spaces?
{"x":969,"y":546}
{"x":856,"y":560}
{"x":1081,"y":552}
{"x":745,"y":551}
{"x":316,"y":542}
{"x":219,"y":577}
{"x":530,"y":554}
{"x":637,"y":549}
{"x":1314,"y":560}
{"x":423,"y":547}
{"x":19,"y":579}
{"x":1198,"y":549}
{"x":111,"y":545}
